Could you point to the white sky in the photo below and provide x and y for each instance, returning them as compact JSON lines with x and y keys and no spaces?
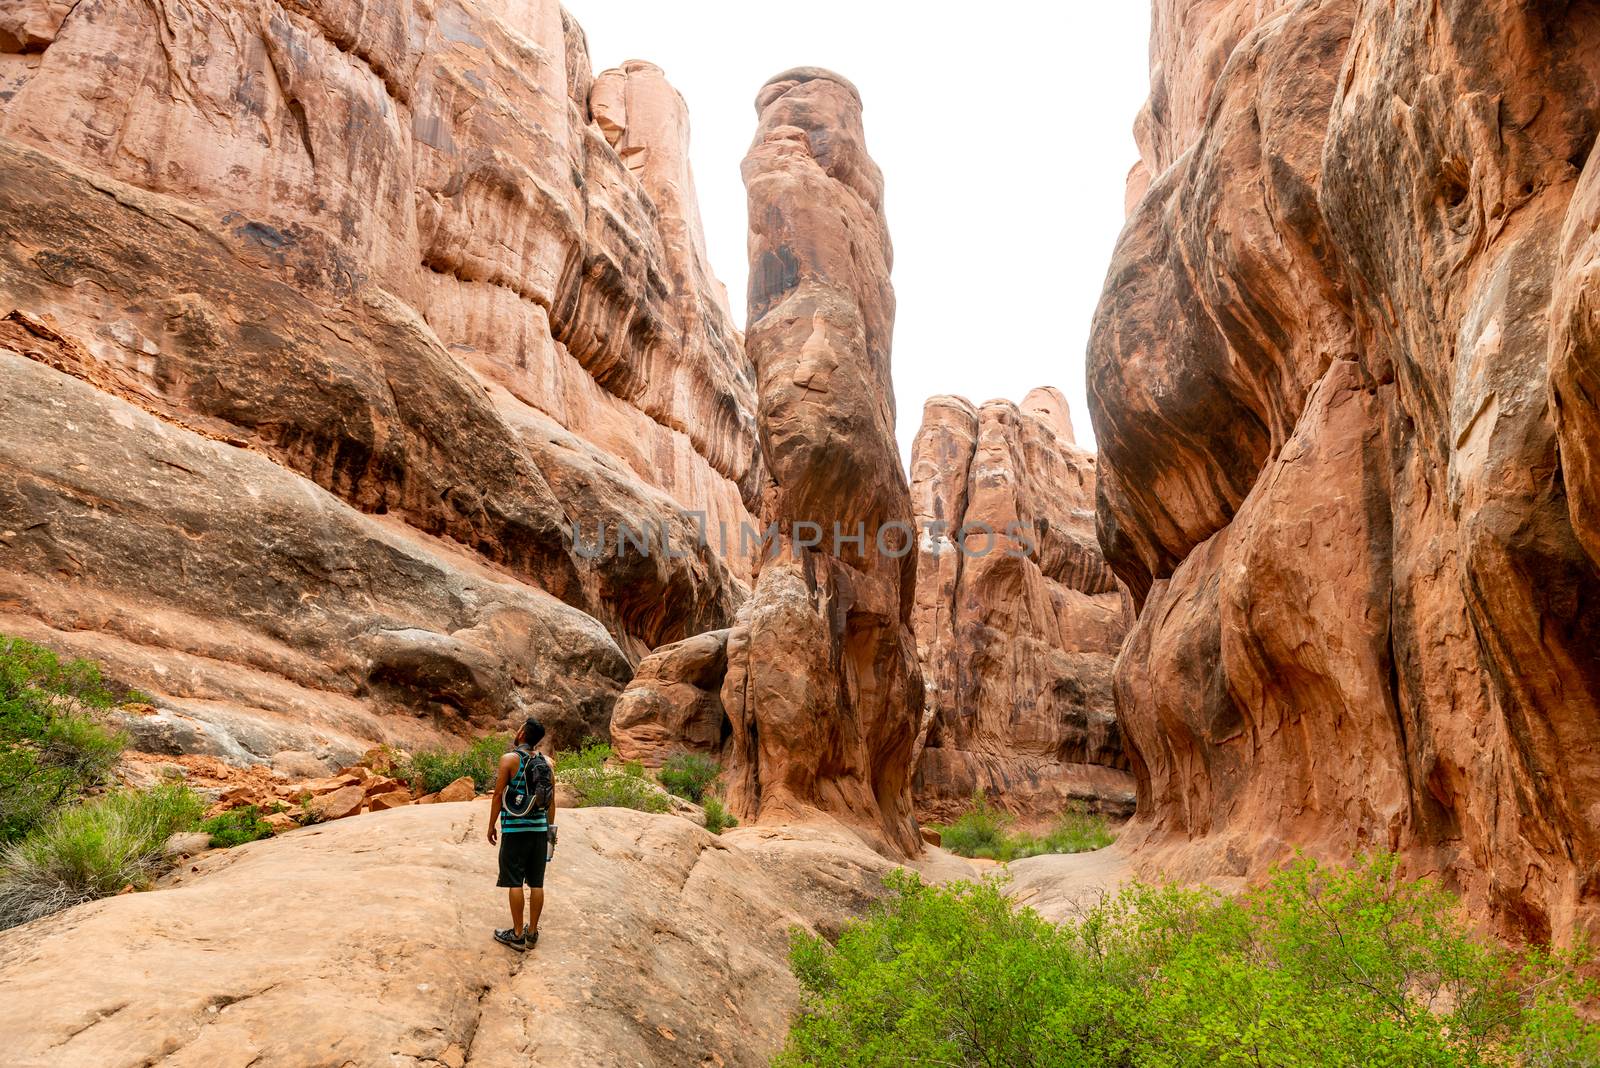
{"x":1004,"y":134}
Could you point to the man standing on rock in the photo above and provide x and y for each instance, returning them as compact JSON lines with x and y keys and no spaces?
{"x":523,"y":805}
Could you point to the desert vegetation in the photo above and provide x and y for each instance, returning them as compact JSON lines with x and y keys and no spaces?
{"x":431,"y":770}
{"x":54,"y":745}
{"x":689,"y":775}
{"x":985,"y":831}
{"x":1319,"y":966}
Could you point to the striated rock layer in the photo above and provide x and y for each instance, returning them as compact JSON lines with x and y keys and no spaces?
{"x":1018,"y":619}
{"x":423,"y":277}
{"x":1343,"y":381}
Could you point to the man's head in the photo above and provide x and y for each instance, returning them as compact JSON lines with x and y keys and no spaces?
{"x":531,"y":732}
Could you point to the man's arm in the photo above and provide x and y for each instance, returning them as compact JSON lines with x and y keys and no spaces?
{"x":508,"y":768}
{"x":550,"y":814}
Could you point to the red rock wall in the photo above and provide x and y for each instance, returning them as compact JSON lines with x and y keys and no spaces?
{"x":392,"y":250}
{"x":1342,"y":381}
{"x":1017,"y":635}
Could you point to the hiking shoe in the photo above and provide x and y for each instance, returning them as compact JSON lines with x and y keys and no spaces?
{"x":507,"y":937}
{"x":530,"y":938}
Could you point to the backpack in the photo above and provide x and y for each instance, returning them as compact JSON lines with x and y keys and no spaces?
{"x":531,"y":789}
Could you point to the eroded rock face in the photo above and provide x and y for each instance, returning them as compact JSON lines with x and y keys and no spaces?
{"x":822,"y":690}
{"x":270,"y":615}
{"x":395,"y":254}
{"x":1017,"y":634}
{"x":1342,"y":381}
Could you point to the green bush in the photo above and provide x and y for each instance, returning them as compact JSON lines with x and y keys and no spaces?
{"x":982,"y":831}
{"x":431,"y":770}
{"x":92,"y":850}
{"x":1077,"y":831}
{"x":985,"y":831}
{"x":52,"y":746}
{"x":236,"y":827}
{"x":1318,"y":967}
{"x":689,"y":775}
{"x":604,"y":787}
{"x":718,"y":818}
{"x":593,"y":754}
{"x":595,"y":785}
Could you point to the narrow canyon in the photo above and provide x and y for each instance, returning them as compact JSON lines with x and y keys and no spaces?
{"x":364,"y":381}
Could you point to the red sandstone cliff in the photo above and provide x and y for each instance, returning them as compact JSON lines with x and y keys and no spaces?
{"x":1018,"y":633}
{"x":1343,"y":382}
{"x":321,"y":325}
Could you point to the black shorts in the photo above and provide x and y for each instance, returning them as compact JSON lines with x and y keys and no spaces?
{"x":522,"y":858}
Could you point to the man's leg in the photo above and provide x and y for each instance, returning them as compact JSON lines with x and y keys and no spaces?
{"x":535,"y":906}
{"x":516,"y":910}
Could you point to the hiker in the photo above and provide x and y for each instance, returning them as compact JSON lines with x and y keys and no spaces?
{"x":523,"y":805}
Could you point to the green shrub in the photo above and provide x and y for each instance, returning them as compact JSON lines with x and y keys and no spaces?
{"x":52,"y":746}
{"x":689,"y":775}
{"x":604,"y":787}
{"x":431,"y":770}
{"x":1077,"y":831}
{"x":718,"y":818}
{"x":593,"y":754}
{"x":1318,"y":967}
{"x":984,"y":831}
{"x":236,"y":827}
{"x":92,"y":850}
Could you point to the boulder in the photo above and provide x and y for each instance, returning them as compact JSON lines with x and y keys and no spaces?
{"x":460,"y":790}
{"x":187,"y":843}
{"x":384,"y":802}
{"x":337,"y":805}
{"x":317,"y":787}
{"x":673,"y":703}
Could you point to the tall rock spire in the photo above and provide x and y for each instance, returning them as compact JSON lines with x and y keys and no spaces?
{"x":823,"y":691}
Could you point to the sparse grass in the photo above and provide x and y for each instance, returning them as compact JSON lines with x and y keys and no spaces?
{"x":91,"y":850}
{"x":431,"y":770}
{"x":53,"y":746}
{"x":718,"y":818}
{"x":236,"y":827}
{"x":1320,"y":968}
{"x":689,"y":775}
{"x":985,"y":831}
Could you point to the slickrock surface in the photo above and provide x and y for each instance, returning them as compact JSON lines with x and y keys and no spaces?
{"x":366,"y":942}
{"x":414,"y":305}
{"x":1343,"y":382}
{"x":822,"y":688}
{"x":1018,"y":633}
